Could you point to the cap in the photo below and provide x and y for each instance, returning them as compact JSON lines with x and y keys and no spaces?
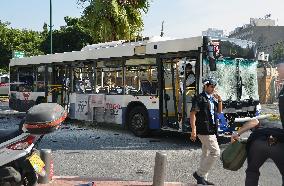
{"x":209,"y":81}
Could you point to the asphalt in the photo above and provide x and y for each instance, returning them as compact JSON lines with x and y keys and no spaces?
{"x":77,"y":181}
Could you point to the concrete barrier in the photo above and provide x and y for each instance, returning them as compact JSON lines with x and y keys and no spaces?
{"x":45,"y":155}
{"x":160,"y":169}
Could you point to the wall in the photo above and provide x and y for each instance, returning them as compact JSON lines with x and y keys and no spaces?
{"x":267,"y":85}
{"x":265,"y":37}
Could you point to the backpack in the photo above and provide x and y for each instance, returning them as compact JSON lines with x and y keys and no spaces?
{"x":234,"y":156}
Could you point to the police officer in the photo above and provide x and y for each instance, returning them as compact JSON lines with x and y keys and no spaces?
{"x":263,"y":143}
{"x":203,"y":120}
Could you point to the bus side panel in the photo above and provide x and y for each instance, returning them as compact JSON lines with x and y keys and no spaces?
{"x":114,"y":105}
{"x":107,"y":108}
{"x":151,"y":104}
{"x":113,"y":108}
{"x":82,"y":107}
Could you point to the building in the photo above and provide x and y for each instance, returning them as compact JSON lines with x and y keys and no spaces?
{"x":263,"y":32}
{"x":213,"y":32}
{"x":266,"y":34}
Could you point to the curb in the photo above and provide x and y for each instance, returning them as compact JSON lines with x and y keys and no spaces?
{"x":81,"y":181}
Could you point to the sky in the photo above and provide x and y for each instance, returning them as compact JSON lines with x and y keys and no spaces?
{"x":182,"y":18}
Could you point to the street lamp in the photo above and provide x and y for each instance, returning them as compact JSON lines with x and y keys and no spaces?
{"x":50,"y":26}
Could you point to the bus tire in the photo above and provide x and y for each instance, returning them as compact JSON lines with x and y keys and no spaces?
{"x":138,"y":121}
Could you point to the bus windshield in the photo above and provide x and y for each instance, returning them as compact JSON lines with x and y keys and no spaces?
{"x":234,"y":68}
{"x":237,"y":78}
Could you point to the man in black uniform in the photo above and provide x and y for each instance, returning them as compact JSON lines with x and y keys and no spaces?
{"x":264,"y":143}
{"x":203,"y":120}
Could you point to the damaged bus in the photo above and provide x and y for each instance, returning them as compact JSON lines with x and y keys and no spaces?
{"x":141,"y":85}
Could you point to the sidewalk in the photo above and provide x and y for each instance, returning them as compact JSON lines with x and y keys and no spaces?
{"x":77,"y":181}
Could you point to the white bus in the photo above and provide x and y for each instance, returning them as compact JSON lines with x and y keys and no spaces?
{"x":139,"y":85}
{"x":4,"y":85}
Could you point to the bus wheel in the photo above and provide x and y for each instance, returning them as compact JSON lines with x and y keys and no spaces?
{"x":138,"y":121}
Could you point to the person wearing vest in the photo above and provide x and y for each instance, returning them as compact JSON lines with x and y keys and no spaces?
{"x":264,"y":142}
{"x":203,"y":120}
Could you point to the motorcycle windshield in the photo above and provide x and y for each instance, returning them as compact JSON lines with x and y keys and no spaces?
{"x":236,"y":78}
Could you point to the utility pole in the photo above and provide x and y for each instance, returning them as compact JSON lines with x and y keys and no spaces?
{"x":162,"y":30}
{"x":50,"y":26}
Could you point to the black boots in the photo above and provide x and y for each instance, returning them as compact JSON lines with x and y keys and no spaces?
{"x":201,"y":180}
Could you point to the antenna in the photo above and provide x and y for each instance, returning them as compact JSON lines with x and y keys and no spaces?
{"x":162,"y":31}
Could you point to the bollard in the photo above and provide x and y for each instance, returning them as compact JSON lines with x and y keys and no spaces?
{"x":45,"y":155}
{"x":160,"y":169}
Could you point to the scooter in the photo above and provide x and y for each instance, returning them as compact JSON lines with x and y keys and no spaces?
{"x":20,"y":163}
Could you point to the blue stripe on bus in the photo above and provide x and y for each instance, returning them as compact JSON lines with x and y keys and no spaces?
{"x":154,"y":119}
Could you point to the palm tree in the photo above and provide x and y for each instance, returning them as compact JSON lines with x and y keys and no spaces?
{"x":109,"y":20}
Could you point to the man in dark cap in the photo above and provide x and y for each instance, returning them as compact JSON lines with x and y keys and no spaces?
{"x":264,"y":142}
{"x":203,"y":120}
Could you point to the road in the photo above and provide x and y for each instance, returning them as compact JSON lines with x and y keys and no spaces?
{"x":106,"y":152}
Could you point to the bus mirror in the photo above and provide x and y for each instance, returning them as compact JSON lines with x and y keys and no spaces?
{"x":212,"y":64}
{"x":211,"y":57}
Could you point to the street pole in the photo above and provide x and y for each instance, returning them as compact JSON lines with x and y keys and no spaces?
{"x":50,"y":26}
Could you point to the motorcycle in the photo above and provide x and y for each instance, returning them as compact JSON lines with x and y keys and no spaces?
{"x":20,"y":162}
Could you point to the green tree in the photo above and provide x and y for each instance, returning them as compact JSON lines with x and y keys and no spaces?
{"x":109,"y":20}
{"x":11,"y":40}
{"x":4,"y":49}
{"x":72,"y":37}
{"x":278,"y":53}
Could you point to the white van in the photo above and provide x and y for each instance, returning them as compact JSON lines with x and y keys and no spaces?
{"x":4,"y":84}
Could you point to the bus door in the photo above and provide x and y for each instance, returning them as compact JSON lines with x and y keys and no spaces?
{"x":179,"y":86}
{"x":171,"y":92}
{"x":56,"y":87}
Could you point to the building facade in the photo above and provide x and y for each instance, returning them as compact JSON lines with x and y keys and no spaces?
{"x":213,"y":32}
{"x":263,"y":32}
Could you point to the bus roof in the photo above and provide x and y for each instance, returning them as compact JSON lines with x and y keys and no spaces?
{"x":113,"y":50}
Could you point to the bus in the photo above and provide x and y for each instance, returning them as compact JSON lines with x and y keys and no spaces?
{"x":4,"y":84}
{"x":141,"y":85}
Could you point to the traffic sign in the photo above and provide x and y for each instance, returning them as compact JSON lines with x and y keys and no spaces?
{"x":18,"y":54}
